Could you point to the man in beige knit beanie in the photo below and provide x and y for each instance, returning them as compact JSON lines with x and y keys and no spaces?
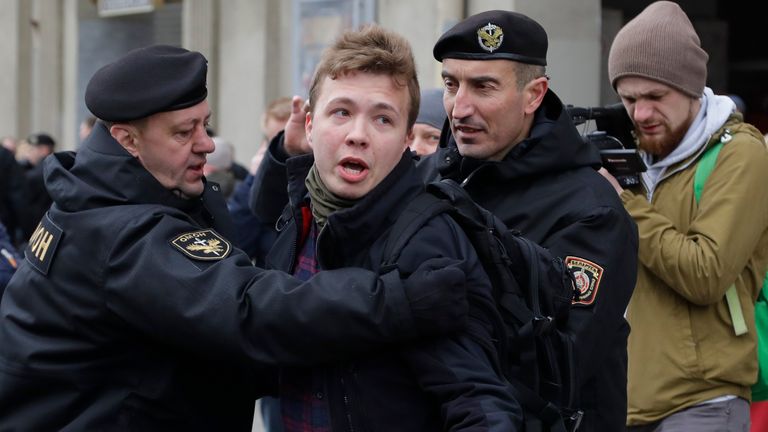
{"x":701,"y":258}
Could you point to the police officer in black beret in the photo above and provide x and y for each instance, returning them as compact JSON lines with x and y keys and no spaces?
{"x":512,"y":144}
{"x":131,"y":309}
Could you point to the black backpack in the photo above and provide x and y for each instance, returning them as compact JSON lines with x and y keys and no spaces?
{"x":533,"y":292}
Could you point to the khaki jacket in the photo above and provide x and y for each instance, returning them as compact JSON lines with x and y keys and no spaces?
{"x":682,"y":347}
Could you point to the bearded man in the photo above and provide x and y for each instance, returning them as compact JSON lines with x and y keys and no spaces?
{"x":701,"y":260}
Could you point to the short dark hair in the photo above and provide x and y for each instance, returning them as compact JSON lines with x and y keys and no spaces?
{"x":526,"y":73}
{"x":41,"y":139}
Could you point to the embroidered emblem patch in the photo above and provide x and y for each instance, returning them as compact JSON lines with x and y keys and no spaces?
{"x":587,"y":275}
{"x":42,"y":245}
{"x":490,"y":37}
{"x":205,"y":245}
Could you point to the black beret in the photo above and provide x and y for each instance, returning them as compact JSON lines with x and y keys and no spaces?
{"x":494,"y":35}
{"x":146,"y":81}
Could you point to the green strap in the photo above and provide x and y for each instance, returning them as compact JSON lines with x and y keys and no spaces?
{"x":737,"y":314}
{"x":765,"y":284}
{"x":703,"y":170}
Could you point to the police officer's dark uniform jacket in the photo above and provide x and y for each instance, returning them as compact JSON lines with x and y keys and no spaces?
{"x":548,"y":188}
{"x":443,"y":384}
{"x":132,"y":311}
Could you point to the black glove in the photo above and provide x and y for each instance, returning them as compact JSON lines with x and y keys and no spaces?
{"x":437,"y":293}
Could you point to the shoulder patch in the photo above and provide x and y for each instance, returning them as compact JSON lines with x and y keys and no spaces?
{"x":204,"y":245}
{"x":42,"y":245}
{"x":587,"y":275}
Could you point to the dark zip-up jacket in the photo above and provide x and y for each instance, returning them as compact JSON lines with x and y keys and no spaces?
{"x":448,"y":383}
{"x":116,"y":321}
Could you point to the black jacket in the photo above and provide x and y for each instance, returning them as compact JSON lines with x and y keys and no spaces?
{"x":441,"y":384}
{"x":548,"y":188}
{"x":131,"y":310}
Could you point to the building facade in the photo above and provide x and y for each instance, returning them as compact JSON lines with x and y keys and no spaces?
{"x":262,"y":49}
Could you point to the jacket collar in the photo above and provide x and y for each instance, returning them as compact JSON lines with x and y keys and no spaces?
{"x":733,"y":126}
{"x":350,"y":232}
{"x":103,"y":173}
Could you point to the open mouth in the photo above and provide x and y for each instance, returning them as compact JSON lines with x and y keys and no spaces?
{"x":196,"y":169}
{"x":353,"y":169}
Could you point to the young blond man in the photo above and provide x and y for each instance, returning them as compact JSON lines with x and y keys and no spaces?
{"x":363,"y":102}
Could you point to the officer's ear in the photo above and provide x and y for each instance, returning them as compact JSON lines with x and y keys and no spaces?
{"x":534,"y":92}
{"x":127,"y":135}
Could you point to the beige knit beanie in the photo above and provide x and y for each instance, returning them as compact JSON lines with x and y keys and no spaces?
{"x":662,"y":45}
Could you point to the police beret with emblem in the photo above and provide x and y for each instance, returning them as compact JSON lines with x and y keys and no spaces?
{"x":495,"y":35}
{"x":147,"y":81}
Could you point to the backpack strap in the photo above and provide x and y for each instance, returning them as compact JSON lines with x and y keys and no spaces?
{"x":703,"y":169}
{"x":547,"y":417}
{"x":463,"y":203}
{"x":416,"y":214}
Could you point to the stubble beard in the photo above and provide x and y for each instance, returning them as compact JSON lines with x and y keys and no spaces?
{"x":660,"y":146}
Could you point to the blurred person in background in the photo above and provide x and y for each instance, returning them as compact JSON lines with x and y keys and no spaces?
{"x":429,"y":123}
{"x":218,"y":166}
{"x":272,"y":122}
{"x":9,"y":143}
{"x":251,"y":234}
{"x":9,"y":259}
{"x":11,"y":195}
{"x":86,"y":126}
{"x":36,"y":197}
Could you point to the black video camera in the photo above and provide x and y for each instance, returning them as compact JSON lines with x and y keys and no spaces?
{"x":613,"y":137}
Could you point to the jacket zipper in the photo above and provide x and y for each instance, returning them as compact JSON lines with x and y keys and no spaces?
{"x":345,"y":398}
{"x":472,"y":174}
{"x":347,"y":405}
